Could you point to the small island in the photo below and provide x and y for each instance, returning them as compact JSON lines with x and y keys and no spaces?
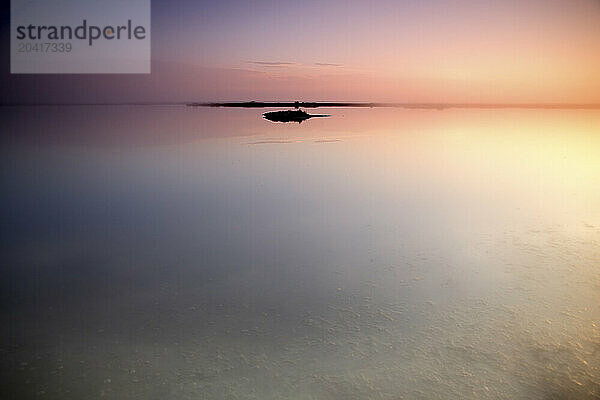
{"x":290,"y":116}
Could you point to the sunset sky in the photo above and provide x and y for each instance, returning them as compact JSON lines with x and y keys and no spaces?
{"x":428,"y":50}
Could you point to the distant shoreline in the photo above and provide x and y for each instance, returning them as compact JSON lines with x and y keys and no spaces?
{"x":299,"y":104}
{"x":436,"y":106}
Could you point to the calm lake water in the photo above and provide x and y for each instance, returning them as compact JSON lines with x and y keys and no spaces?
{"x":166,"y":252}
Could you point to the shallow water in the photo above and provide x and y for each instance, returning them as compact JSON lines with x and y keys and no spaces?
{"x":172,"y":252}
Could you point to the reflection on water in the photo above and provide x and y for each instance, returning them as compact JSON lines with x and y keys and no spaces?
{"x":169,"y":252}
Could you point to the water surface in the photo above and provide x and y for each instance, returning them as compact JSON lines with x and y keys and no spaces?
{"x":171,"y":252}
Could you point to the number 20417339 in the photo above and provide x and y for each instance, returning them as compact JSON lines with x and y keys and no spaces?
{"x":60,"y":47}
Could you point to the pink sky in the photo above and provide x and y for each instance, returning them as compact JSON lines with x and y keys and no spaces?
{"x":405,"y":51}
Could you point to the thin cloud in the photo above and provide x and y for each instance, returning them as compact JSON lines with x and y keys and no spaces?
{"x":284,"y":64}
{"x":323,"y":64}
{"x":328,"y":140}
{"x":272,"y":142}
{"x":272,"y":63}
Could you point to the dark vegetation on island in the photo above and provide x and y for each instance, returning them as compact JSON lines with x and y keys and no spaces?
{"x":290,"y":116}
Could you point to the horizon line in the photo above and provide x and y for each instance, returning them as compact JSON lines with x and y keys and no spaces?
{"x":331,"y":104}
{"x":412,"y":105}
